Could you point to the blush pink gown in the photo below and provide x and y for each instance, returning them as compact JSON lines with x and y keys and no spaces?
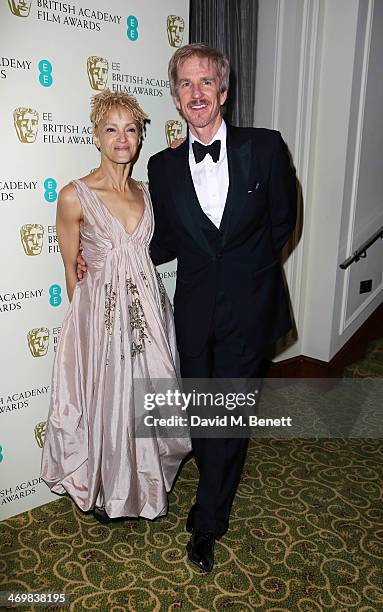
{"x":118,"y":329}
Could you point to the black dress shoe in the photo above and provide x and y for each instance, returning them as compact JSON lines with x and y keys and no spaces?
{"x":101,"y":515}
{"x":200,"y":550}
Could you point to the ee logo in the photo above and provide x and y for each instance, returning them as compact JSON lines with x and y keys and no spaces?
{"x":55,"y":298}
{"x":45,"y":76}
{"x":132,"y":23}
{"x":50,"y":193}
{"x":1,"y":454}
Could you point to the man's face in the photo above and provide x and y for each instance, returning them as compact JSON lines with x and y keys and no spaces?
{"x":99,"y":75}
{"x":198,"y":94}
{"x":176,"y":28}
{"x":32,"y":239}
{"x":38,"y":341}
{"x":26,"y":123}
{"x":20,"y":8}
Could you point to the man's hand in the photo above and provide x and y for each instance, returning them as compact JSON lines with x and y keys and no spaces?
{"x":81,"y":266}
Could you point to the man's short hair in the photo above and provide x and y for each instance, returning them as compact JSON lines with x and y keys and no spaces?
{"x":200,"y":50}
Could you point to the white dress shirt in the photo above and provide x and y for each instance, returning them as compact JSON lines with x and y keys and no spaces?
{"x":211,"y":179}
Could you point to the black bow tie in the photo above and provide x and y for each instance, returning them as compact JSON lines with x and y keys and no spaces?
{"x":201,"y":150}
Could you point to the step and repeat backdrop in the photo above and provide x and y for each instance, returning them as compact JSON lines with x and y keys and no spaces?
{"x":53,"y":57}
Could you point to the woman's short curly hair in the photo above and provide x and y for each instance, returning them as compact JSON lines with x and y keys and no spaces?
{"x":102,"y":102}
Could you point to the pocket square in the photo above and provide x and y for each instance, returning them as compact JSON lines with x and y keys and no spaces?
{"x":255,"y":188}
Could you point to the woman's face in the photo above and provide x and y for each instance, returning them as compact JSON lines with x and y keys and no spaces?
{"x":117,"y":135}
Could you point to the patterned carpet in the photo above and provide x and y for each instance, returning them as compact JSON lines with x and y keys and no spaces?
{"x":306,"y":535}
{"x":371,"y":365}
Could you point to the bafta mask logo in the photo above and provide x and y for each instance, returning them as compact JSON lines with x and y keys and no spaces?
{"x":173,"y":131}
{"x":38,"y":341}
{"x":26,"y":122}
{"x":40,"y":431}
{"x":20,"y":8}
{"x":32,"y":236}
{"x":175,"y":27}
{"x":97,"y":68}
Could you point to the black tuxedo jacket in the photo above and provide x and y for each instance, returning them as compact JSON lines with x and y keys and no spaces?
{"x":260,"y":215}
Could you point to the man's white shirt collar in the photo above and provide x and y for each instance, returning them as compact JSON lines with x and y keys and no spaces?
{"x":219,"y":135}
{"x":211,"y":179}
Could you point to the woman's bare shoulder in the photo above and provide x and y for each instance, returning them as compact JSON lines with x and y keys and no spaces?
{"x":68,"y":200}
{"x":68,"y":193}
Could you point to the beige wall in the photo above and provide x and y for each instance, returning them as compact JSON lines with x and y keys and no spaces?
{"x":318,"y":83}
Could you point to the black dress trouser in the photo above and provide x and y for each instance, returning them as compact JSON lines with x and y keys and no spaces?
{"x":219,"y":460}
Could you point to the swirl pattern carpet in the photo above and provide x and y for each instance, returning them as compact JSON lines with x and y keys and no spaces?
{"x":306,"y":535}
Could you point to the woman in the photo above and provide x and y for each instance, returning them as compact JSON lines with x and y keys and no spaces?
{"x":118,"y":331}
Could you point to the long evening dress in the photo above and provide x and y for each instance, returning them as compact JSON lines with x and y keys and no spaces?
{"x":119,"y":329}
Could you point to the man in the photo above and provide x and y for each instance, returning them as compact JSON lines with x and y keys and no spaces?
{"x":224,"y":204}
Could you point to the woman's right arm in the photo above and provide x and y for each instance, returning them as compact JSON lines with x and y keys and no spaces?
{"x":68,"y":219}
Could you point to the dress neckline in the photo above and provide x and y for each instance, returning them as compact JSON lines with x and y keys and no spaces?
{"x":93,"y":192}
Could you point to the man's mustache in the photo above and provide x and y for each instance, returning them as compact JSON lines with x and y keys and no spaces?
{"x":198,"y":101}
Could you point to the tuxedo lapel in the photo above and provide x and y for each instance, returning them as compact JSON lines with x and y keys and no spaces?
{"x":185,"y":197}
{"x":239,"y":157}
{"x":184,"y":194}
